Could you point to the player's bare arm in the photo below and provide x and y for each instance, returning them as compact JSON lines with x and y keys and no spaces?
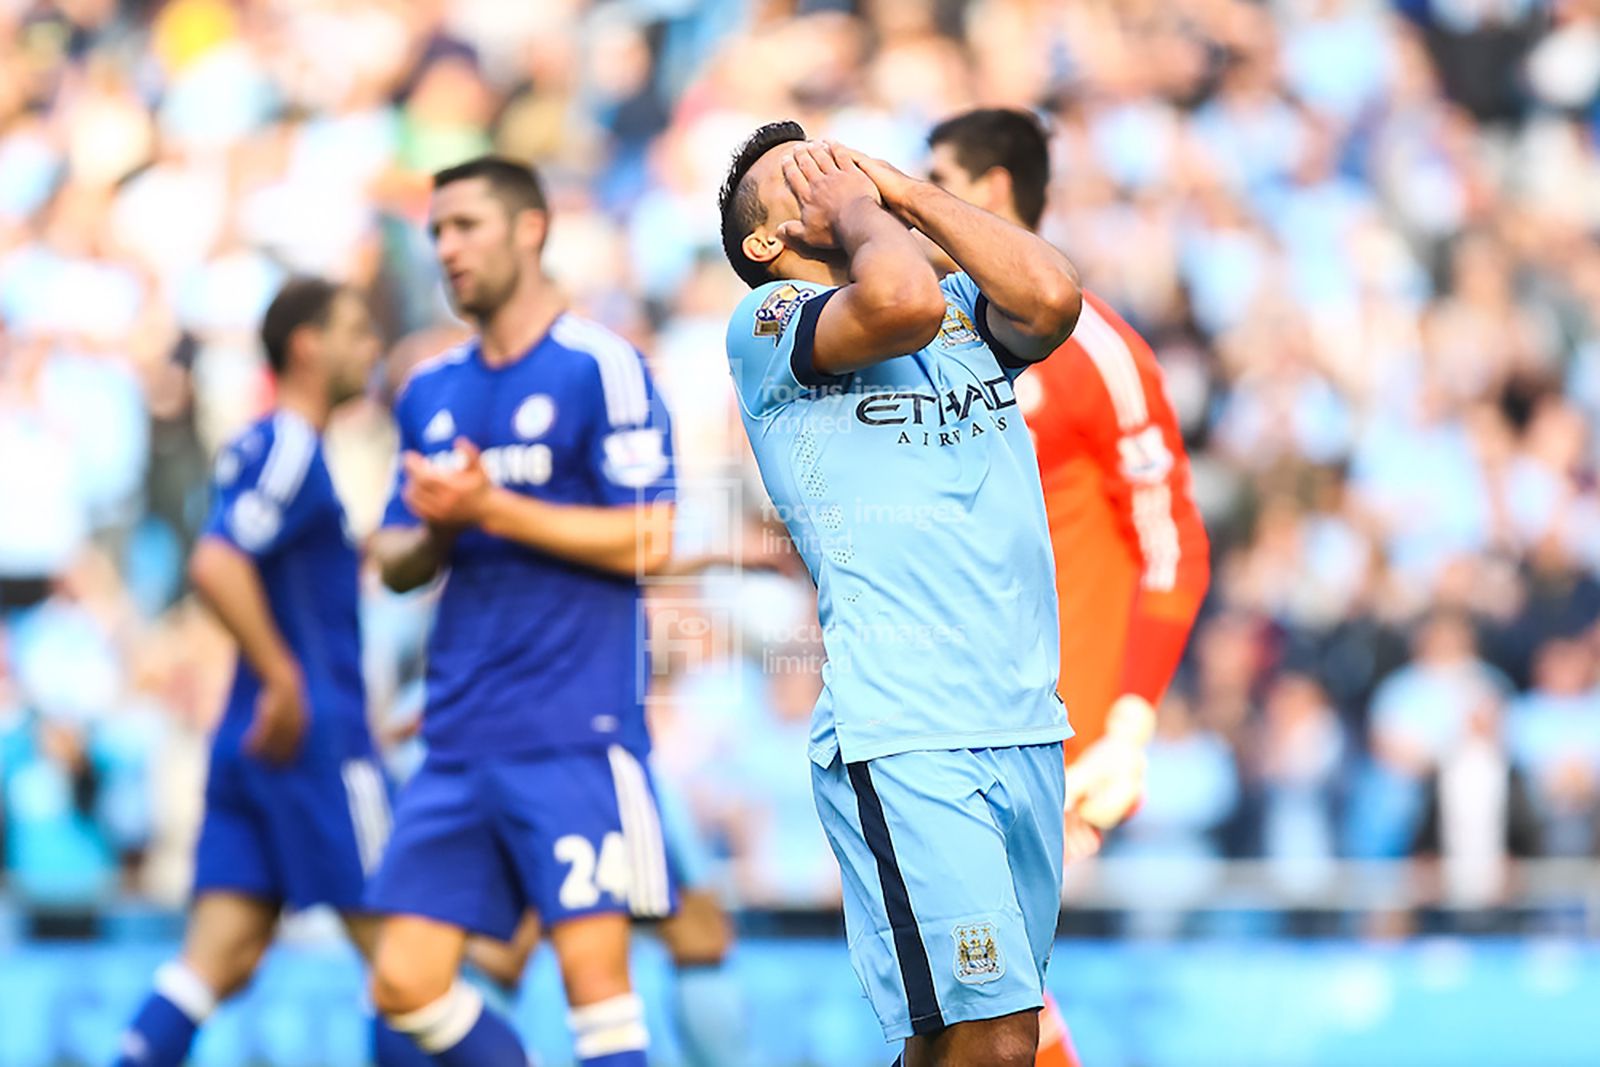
{"x":227,"y":580}
{"x":410,"y":557}
{"x":892,"y":303}
{"x":627,"y":540}
{"x":1032,"y":288}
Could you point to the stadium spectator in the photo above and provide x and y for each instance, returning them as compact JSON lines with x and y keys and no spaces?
{"x":1554,"y":739}
{"x":1477,"y":814}
{"x":1297,"y":769}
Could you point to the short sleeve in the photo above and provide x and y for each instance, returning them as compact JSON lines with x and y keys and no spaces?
{"x":396,"y":513}
{"x":770,"y":345}
{"x":630,"y":452}
{"x":962,"y":291}
{"x":259,"y":501}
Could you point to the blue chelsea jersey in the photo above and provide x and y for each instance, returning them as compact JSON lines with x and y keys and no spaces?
{"x":274,"y":501}
{"x":531,"y":653}
{"x":912,"y":492}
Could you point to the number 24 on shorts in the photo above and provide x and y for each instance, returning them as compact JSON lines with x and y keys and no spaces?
{"x":590,"y":875}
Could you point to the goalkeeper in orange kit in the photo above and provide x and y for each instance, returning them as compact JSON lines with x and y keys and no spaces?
{"x":1132,"y":558}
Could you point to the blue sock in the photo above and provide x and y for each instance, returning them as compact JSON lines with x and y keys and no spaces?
{"x":610,"y":1033}
{"x":390,"y":1048}
{"x":711,"y":1020}
{"x":160,"y":1035}
{"x":458,"y":1031}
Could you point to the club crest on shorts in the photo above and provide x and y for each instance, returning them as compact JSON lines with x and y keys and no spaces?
{"x":978,"y":958}
{"x":774,"y":313}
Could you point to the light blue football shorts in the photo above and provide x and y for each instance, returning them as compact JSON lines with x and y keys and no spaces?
{"x":951,"y":863}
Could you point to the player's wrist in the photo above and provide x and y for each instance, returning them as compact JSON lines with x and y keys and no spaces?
{"x":441,"y":537}
{"x":854,"y":217}
{"x":490,"y":509}
{"x":280,"y":672}
{"x":914,"y":202}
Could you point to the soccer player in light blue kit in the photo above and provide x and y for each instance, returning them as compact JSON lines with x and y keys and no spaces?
{"x":537,"y":479}
{"x":296,"y":809}
{"x":879,"y":406}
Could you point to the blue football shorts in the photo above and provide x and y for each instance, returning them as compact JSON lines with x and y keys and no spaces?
{"x":951,"y":864}
{"x":477,"y":842}
{"x":302,"y":834}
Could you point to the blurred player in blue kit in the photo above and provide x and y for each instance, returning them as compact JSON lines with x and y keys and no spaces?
{"x":871,"y":389}
{"x":297,"y":810}
{"x":707,"y":1003}
{"x":536,"y":477}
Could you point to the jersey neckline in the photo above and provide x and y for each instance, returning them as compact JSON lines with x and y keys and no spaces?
{"x":527,"y":353}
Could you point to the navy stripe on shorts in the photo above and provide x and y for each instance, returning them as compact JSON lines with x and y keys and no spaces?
{"x":915,"y":971}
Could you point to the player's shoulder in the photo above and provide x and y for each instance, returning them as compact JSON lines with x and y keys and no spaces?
{"x":273,"y":453}
{"x":593,"y":343}
{"x":1102,"y":331}
{"x":767,"y":309}
{"x":429,"y":373}
{"x":607,"y":365}
{"x":243,"y":452}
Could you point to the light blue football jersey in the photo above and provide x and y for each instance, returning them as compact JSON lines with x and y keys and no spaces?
{"x":912,"y":492}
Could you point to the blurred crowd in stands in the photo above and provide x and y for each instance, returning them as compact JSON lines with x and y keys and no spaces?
{"x":1361,"y":236}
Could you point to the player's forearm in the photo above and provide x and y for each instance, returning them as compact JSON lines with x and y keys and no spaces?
{"x":892,"y":305}
{"x":937,"y":257}
{"x":409,"y":557}
{"x":886,"y":258}
{"x":630,"y":540}
{"x":892,"y":285}
{"x":1026,"y":279}
{"x":228,"y":582}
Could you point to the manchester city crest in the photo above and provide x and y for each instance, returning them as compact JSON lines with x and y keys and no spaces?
{"x":978,"y":958}
{"x":957,"y":328}
{"x":773,"y":314}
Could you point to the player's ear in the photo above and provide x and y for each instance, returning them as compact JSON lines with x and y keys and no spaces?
{"x":302,"y":347}
{"x":532,"y":227}
{"x":996,"y":185}
{"x":761,"y":246}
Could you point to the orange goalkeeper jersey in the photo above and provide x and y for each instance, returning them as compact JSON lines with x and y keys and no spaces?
{"x":1132,"y":558}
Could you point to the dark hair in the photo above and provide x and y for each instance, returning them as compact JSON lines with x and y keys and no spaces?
{"x":742,"y":210}
{"x":1007,"y":138}
{"x":516,"y":185}
{"x":301,"y":302}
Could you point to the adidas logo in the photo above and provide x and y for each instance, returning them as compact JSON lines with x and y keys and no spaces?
{"x":442,"y":427}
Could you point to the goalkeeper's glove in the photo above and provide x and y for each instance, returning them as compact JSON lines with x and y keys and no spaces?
{"x":1106,"y":783}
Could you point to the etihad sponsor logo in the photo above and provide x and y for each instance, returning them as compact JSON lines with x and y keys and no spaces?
{"x":940,"y":420}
